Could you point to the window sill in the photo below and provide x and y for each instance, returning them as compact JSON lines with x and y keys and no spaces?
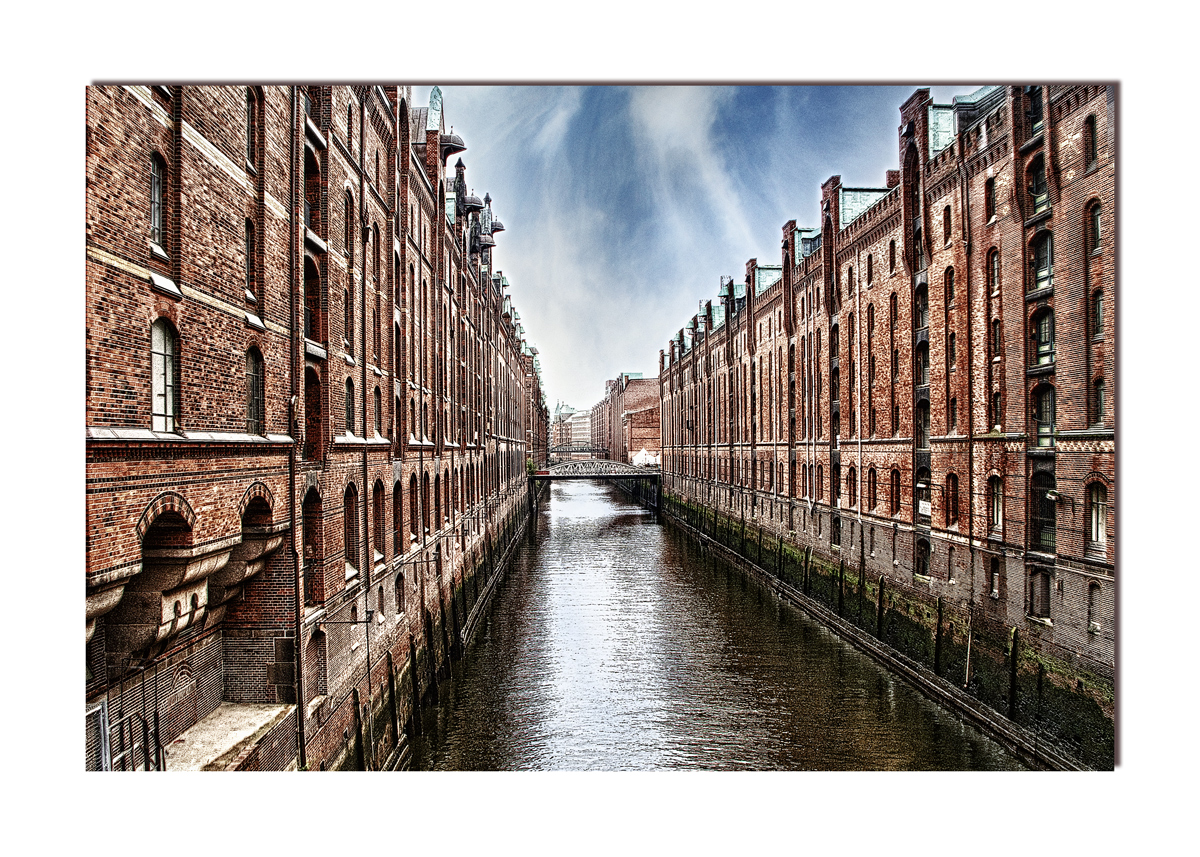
{"x":1040,"y":370}
{"x":1032,"y":143}
{"x":158,"y":252}
{"x":1038,"y":217}
{"x":165,"y":285}
{"x":1039,"y":294}
{"x":1040,"y":620}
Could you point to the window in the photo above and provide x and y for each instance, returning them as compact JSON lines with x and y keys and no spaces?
{"x":872,"y":497}
{"x":1033,"y":96}
{"x":250,"y":290}
{"x":852,"y":486}
{"x":953,"y":416}
{"x":820,"y":482}
{"x":348,"y":228}
{"x":1043,"y":338}
{"x":951,"y":355}
{"x":895,"y":363}
{"x":1090,"y":154}
{"x":997,"y":413}
{"x":1039,"y":593}
{"x":946,"y":225}
{"x":921,"y":308}
{"x":158,"y":187}
{"x":921,"y":494}
{"x":1098,"y":402}
{"x":948,"y":279}
{"x":892,"y":256}
{"x":922,"y":364}
{"x":256,"y":399}
{"x":1042,"y":513}
{"x":921,"y":558}
{"x":251,"y":122}
{"x":350,"y":529}
{"x":378,"y":402}
{"x":893,"y":313}
{"x":993,"y":272}
{"x":895,"y":420}
{"x":1094,"y":228}
{"x":164,"y":371}
{"x":989,"y":199}
{"x":399,"y":594}
{"x":951,"y":499}
{"x":1097,"y":512}
{"x":995,"y":577}
{"x":1042,"y":261}
{"x":1093,"y":606}
{"x":1098,"y":313}
{"x":870,"y":270}
{"x":1039,"y":198}
{"x":1043,"y":414}
{"x":894,"y":493}
{"x":923,"y":425}
{"x":350,"y":127}
{"x":997,"y":338}
{"x":348,"y":320}
{"x":996,"y":504}
{"x":349,"y":406}
{"x":412,"y":506}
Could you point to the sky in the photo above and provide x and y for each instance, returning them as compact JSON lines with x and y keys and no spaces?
{"x":624,"y":205}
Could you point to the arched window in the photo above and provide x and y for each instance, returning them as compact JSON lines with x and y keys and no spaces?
{"x":349,"y":406}
{"x":1043,"y":414}
{"x":1097,"y":512}
{"x":1098,"y":402}
{"x":994,"y":575}
{"x":256,"y":399}
{"x":313,"y":556}
{"x":348,"y":320}
{"x":852,"y":486}
{"x":948,"y":281}
{"x":425,"y":502}
{"x":921,"y":558}
{"x":922,"y":367}
{"x":375,"y":245}
{"x":893,"y":311}
{"x":892,"y":256}
{"x":993,"y":272}
{"x":921,"y":307}
{"x":1042,"y":261}
{"x":995,"y":504}
{"x":413,"y":512}
{"x":894,"y":493}
{"x":1043,"y":338}
{"x":158,"y":192}
{"x":1093,"y":608}
{"x":1093,"y":236}
{"x":1033,"y":109}
{"x":1098,"y":312}
{"x":997,"y":338}
{"x":399,"y":594}
{"x":164,"y":372}
{"x":378,"y":403}
{"x":951,"y":499}
{"x":348,"y":228}
{"x":1090,"y":154}
{"x":922,"y":425}
{"x":1042,"y":515}
{"x":350,"y":529}
{"x":820,"y":482}
{"x":312,"y":415}
{"x":1039,"y":198}
{"x":872,"y":495}
{"x":989,"y":199}
{"x":251,"y":291}
{"x":398,"y":544}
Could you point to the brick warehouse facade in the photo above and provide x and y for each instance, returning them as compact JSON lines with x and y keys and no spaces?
{"x":914,"y":406}
{"x":309,"y":406}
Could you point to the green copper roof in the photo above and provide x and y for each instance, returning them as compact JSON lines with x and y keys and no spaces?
{"x":853,"y":201}
{"x":941,"y":128}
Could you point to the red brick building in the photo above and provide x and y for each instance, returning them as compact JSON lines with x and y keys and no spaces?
{"x":308,"y":412}
{"x":922,"y":387}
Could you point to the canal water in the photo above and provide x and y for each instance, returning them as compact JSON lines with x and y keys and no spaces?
{"x":615,"y":643}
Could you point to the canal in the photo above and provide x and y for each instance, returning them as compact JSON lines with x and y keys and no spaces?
{"x":615,"y":643}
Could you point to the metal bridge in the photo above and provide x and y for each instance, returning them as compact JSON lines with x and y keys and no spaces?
{"x":597,"y":468}
{"x":578,"y":449}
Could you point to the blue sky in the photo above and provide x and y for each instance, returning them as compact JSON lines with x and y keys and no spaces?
{"x":624,"y":205}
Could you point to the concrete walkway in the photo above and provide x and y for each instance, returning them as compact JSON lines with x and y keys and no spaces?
{"x":228,"y":728}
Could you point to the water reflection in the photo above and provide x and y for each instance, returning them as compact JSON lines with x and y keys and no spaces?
{"x":616,"y":644}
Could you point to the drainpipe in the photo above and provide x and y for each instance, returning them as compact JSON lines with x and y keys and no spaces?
{"x":298,"y":679}
{"x":966,"y":227}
